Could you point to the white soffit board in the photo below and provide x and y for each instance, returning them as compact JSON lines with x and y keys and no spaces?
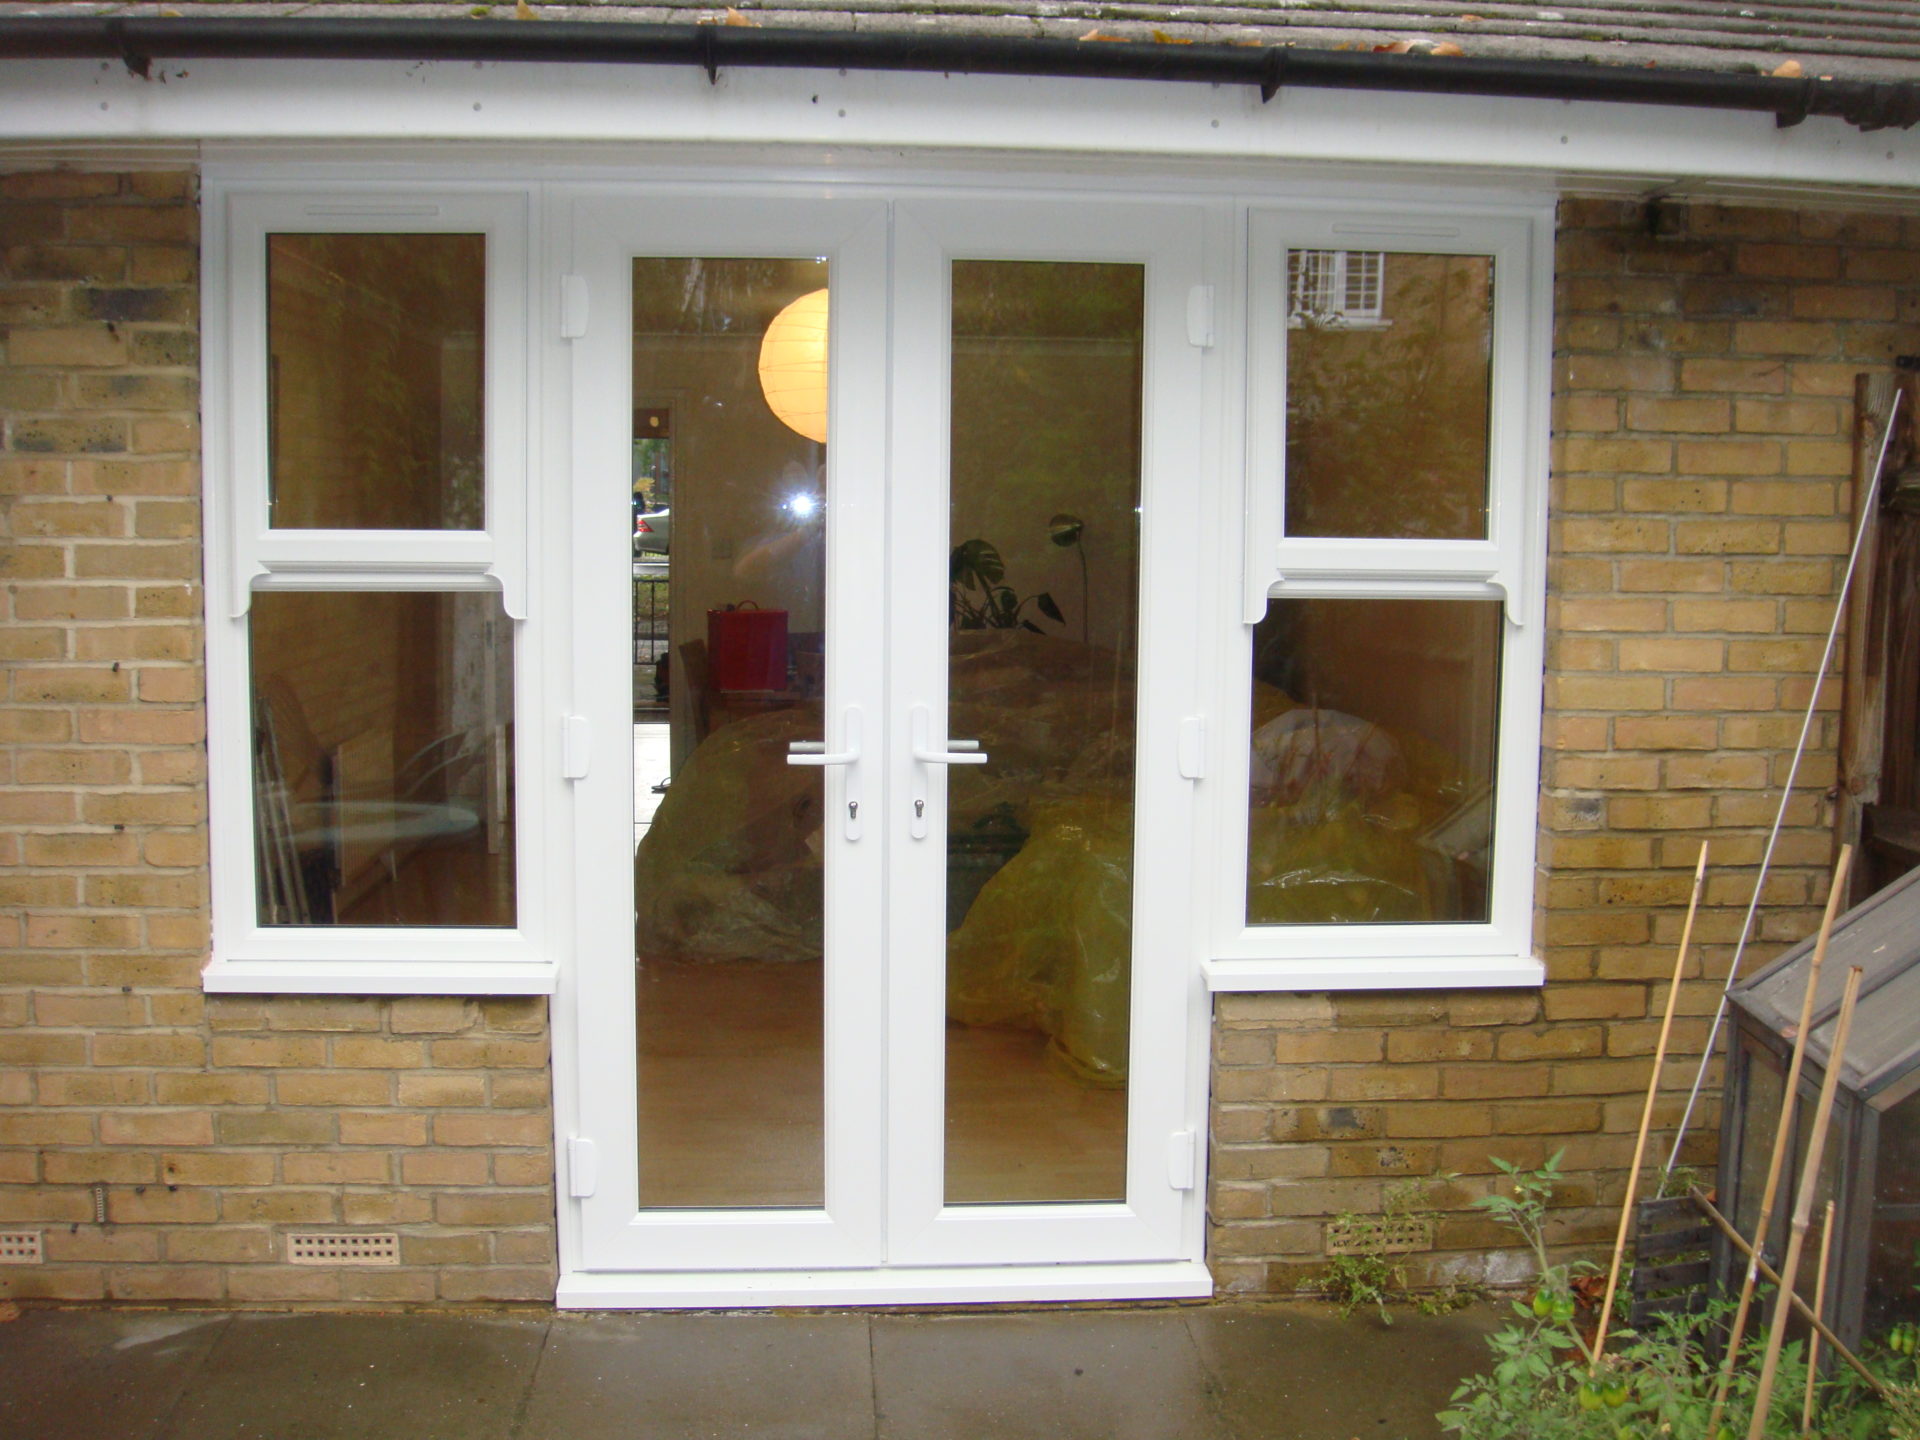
{"x":516,"y":105}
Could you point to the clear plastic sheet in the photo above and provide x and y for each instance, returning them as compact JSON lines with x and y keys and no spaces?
{"x":1341,"y":818}
{"x":730,"y":869}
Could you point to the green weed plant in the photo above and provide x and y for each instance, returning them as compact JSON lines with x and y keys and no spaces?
{"x":1654,"y":1383}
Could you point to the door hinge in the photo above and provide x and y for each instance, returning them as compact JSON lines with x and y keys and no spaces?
{"x":1200,"y":317}
{"x":576,"y":747}
{"x":1193,"y":747}
{"x":1183,"y":1160}
{"x":573,"y":306}
{"x":583,"y":1168}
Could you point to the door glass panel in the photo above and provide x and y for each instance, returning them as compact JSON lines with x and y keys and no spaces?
{"x":1389,"y":360}
{"x":382,"y":758}
{"x":1045,"y":529}
{"x":1372,"y":766}
{"x":729,"y":580}
{"x":375,"y":381}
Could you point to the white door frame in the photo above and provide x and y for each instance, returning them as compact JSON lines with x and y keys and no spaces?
{"x":884,"y":1234}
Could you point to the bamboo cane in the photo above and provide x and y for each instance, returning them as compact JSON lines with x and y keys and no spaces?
{"x":1781,"y":1135}
{"x":1803,"y":1204}
{"x":1772,"y":1277}
{"x":1646,"y":1116}
{"x":1819,"y":1308}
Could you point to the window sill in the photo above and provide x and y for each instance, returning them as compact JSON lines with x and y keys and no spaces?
{"x":240,"y":976}
{"x":1437,"y":972}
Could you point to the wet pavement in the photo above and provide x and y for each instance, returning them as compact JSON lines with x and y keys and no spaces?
{"x":1225,"y":1371}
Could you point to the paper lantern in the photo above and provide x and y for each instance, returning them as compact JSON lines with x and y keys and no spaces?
{"x":793,"y":366}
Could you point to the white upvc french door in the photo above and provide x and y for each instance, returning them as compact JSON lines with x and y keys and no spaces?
{"x":1076,"y":332}
{"x":931,"y":238}
{"x":618,"y":1232}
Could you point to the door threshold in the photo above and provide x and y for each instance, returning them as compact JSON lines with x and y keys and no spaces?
{"x":929,"y":1285}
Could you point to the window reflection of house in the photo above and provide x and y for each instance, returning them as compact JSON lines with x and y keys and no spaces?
{"x":1335,"y":287}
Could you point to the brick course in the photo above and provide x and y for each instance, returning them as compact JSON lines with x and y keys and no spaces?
{"x":1701,"y":496}
{"x":210,"y":1126}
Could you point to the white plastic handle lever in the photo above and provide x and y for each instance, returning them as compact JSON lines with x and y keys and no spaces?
{"x":815,"y":752}
{"x":958,"y":752}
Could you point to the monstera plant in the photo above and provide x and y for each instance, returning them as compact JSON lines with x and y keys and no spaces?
{"x":978,"y":597}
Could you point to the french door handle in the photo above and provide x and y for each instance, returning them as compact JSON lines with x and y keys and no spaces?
{"x":815,"y":752}
{"x":957,"y":752}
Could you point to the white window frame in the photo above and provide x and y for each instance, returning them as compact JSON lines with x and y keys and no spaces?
{"x":246,"y":557}
{"x":1506,"y":566}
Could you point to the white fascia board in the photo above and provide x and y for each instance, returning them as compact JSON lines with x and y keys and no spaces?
{"x":507,"y":106}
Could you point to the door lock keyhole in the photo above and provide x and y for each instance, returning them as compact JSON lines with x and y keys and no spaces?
{"x":919,"y":809}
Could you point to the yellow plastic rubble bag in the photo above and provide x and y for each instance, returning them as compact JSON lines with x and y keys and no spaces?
{"x":1047,"y":944}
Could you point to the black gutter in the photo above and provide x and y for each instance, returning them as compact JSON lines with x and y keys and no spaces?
{"x":139,"y":41}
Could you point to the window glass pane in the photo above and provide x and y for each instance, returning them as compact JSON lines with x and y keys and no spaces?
{"x":1893,"y":1265}
{"x":1759,"y":1123}
{"x":1043,"y":590}
{"x":1374,"y":743}
{"x":375,"y":382}
{"x":1389,"y":362}
{"x":382,"y":759}
{"x":729,"y":473}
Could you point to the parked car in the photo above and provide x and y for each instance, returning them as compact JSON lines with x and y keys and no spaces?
{"x":651,"y":529}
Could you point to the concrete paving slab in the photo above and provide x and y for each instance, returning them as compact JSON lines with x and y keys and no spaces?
{"x":699,"y":1377}
{"x":98,"y":1375}
{"x":361,"y":1377}
{"x":1061,"y":1375}
{"x":1304,"y":1372}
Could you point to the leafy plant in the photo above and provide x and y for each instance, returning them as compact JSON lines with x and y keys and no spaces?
{"x":1367,"y":1274}
{"x":978,"y":597}
{"x":1657,"y":1382}
{"x":1367,"y":1277}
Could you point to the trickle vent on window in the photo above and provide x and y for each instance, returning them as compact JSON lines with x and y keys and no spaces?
{"x":1379,"y":1235}
{"x":20,"y":1247}
{"x":343,"y":1249}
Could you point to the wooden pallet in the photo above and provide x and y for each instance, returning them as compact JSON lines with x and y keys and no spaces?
{"x":1672,"y":1263}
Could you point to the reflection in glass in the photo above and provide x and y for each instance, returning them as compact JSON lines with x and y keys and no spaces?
{"x":1372,"y":766}
{"x":1046,"y":419}
{"x":383,"y":758}
{"x":376,"y":381}
{"x":1893,"y":1263}
{"x":1766,"y":1088}
{"x":728,"y":672}
{"x":1388,"y":385}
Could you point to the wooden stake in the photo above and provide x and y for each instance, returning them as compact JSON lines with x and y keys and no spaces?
{"x":1782,"y":1133}
{"x":1803,"y":1204}
{"x":1772,"y":1277}
{"x":1646,"y":1116}
{"x":1819,"y":1308}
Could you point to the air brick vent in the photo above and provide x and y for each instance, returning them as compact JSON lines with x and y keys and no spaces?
{"x":336,"y":1249}
{"x":20,"y":1247}
{"x":1379,"y":1235}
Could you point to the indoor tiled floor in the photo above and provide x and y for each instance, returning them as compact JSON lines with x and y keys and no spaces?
{"x":1227,"y":1371}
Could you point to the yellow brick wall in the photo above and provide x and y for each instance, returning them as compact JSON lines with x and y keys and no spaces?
{"x":213,"y":1126}
{"x":1704,"y":374}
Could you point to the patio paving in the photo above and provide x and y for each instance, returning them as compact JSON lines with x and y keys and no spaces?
{"x":1223,"y":1371}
